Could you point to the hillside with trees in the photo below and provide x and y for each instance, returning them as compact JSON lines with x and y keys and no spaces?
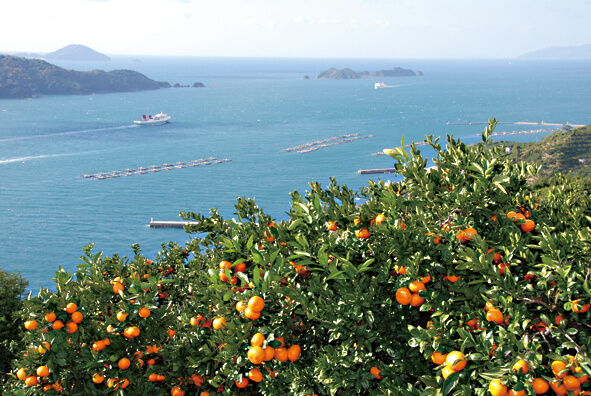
{"x":26,"y":78}
{"x":567,"y":151}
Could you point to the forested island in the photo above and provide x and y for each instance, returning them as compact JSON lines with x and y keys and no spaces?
{"x":347,"y":74}
{"x":26,"y":78}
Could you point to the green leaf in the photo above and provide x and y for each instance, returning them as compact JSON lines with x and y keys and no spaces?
{"x":256,"y":276}
{"x":450,"y":383}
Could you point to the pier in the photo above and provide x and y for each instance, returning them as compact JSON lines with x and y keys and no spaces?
{"x":170,"y":224}
{"x":370,"y":171}
{"x":154,"y":168}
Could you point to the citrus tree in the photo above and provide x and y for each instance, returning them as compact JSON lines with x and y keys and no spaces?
{"x":459,"y":279}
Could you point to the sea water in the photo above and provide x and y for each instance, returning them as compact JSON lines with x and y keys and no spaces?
{"x":250,"y":112}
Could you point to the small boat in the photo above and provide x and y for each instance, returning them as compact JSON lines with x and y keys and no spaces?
{"x":158,"y":119}
{"x":382,"y":85}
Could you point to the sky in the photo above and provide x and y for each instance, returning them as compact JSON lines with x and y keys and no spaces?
{"x":464,"y":29}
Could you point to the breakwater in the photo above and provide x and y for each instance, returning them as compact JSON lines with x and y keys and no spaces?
{"x":333,"y":141}
{"x":154,"y":168}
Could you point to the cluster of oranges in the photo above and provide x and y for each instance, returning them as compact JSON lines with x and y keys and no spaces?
{"x":226,"y":265}
{"x":251,"y":309}
{"x":259,"y":353}
{"x":411,"y":294}
{"x":522,"y":220}
{"x":454,"y":361}
{"x":563,"y":382}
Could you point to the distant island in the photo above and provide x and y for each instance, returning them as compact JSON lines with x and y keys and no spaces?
{"x":25,"y":78}
{"x":573,"y":52}
{"x":347,"y":74}
{"x":73,"y":52}
{"x":76,"y":52}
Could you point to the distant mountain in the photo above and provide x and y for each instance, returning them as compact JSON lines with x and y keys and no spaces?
{"x":76,"y":52}
{"x":30,"y":55}
{"x":574,"y":52}
{"x":347,"y":74}
{"x":25,"y":78}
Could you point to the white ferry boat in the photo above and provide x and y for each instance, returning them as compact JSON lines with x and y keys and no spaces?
{"x":158,"y":119}
{"x":382,"y":85}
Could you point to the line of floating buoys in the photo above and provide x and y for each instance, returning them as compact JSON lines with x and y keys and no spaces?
{"x":154,"y":168}
{"x":313,"y":146}
{"x":301,"y":146}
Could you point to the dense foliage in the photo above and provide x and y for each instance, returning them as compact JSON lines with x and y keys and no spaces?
{"x":24,"y":78}
{"x":12,"y":287}
{"x":457,"y":280}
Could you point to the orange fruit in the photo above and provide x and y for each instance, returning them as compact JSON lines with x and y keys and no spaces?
{"x":176,"y":391}
{"x":256,"y":304}
{"x":456,"y":360}
{"x":496,"y":388}
{"x":362,"y":233}
{"x":426,"y":279}
{"x":112,"y":382}
{"x":488,"y":306}
{"x":118,"y":287}
{"x":576,"y":306}
{"x":557,"y":366}
{"x":71,"y":327}
{"x":219,"y":323}
{"x":470,"y":233}
{"x":416,"y":286}
{"x":332,"y":226}
{"x":496,"y":316}
{"x":255,"y":375}
{"x":281,"y":354}
{"x":435,"y":238}
{"x":269,"y":353}
{"x":496,"y":255}
{"x":438,"y":358}
{"x":21,"y":374}
{"x":293,"y":352}
{"x":123,"y":363}
{"x":98,"y":346}
{"x":241,"y":306}
{"x":50,"y":317}
{"x":380,"y":218}
{"x":31,"y":380}
{"x":77,"y":317}
{"x":242,"y":383}
{"x":528,"y":226}
{"x":416,"y":300}
{"x":250,"y":314}
{"x":570,"y":382}
{"x":171,"y":333}
{"x":256,"y":355}
{"x":57,"y":325}
{"x":453,"y":278}
{"x":121,"y":316}
{"x":71,"y":308}
{"x":31,"y":324}
{"x":144,"y":312}
{"x":446,"y":372}
{"x":160,"y":377}
{"x":257,"y":340}
{"x":153,"y":377}
{"x":225,"y":264}
{"x":98,"y":378}
{"x":558,"y":387}
{"x":43,"y":371}
{"x":376,"y":372}
{"x":518,"y":216}
{"x":540,"y":386}
{"x":521,"y":367}
{"x":403,"y":296}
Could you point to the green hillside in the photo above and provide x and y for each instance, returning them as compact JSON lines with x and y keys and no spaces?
{"x":566,"y":151}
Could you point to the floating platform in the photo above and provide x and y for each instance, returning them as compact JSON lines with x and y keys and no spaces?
{"x":154,"y":168}
{"x":370,"y":171}
{"x":170,"y":224}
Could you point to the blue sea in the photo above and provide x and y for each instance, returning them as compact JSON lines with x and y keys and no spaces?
{"x":249,"y":112}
